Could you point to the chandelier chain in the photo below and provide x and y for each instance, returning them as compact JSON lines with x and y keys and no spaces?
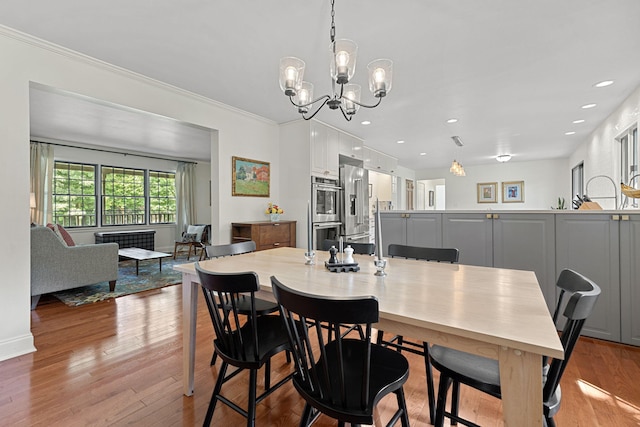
{"x":332,"y":34}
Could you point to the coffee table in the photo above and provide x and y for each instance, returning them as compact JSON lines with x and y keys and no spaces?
{"x":141,"y":255}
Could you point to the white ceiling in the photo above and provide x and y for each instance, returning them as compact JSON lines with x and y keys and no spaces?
{"x":514,"y":72}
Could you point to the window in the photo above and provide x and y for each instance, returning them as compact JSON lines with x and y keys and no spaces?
{"x":629,"y":172}
{"x":74,"y":194}
{"x":162,"y":197}
{"x":629,"y":156}
{"x":123,"y":197}
{"x":577,"y":181}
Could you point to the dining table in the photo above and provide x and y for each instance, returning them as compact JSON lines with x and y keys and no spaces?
{"x":493,"y":312}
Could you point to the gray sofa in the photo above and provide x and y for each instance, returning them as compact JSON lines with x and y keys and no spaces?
{"x":56,"y":267}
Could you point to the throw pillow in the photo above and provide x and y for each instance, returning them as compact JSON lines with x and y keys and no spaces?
{"x":62,"y":234}
{"x":198,"y":230}
{"x":189,"y":237}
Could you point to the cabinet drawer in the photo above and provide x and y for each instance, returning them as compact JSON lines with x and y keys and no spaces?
{"x":274,"y":233}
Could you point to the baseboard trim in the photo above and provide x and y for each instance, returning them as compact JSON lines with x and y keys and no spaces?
{"x":16,"y":347}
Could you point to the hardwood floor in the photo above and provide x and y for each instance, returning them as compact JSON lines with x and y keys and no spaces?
{"x":119,"y":362}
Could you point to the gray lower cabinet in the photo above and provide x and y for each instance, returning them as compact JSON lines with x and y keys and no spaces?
{"x":590,"y":245}
{"x":413,"y":229}
{"x":630,"y":279}
{"x":471,"y":234}
{"x":603,"y":246}
{"x":526,"y":242}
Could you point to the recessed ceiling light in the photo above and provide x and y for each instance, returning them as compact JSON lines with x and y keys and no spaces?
{"x":588,"y":106}
{"x":401,"y":142}
{"x":503,"y":158}
{"x":570,"y":133}
{"x":365,"y":122}
{"x":423,"y":154}
{"x":578,"y":121}
{"x":604,"y":83}
{"x":452,"y":120}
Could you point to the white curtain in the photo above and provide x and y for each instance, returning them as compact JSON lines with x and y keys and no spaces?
{"x":185,"y":198}
{"x":41,"y":182}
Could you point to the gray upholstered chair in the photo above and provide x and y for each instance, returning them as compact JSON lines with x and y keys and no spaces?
{"x":56,"y":266}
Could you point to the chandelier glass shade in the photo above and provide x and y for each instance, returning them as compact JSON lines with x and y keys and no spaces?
{"x":457,"y":169}
{"x":345,"y":96}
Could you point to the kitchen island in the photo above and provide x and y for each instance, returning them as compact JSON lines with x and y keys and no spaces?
{"x":602,"y":245}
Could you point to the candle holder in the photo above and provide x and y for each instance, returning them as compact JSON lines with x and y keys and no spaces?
{"x":380,"y":266}
{"x":309,"y":256}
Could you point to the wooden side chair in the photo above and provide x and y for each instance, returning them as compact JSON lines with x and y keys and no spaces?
{"x":578,"y":296}
{"x":245,"y":341}
{"x":341,"y":377}
{"x":196,"y":237}
{"x":398,"y":342}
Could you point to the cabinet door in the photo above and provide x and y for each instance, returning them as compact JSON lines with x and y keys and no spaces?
{"x":333,"y":153}
{"x":424,"y":229}
{"x":590,"y":245}
{"x":394,"y":230}
{"x":630,"y":279}
{"x":319,"y":146}
{"x":324,"y":151}
{"x":473,"y":236}
{"x":527,"y":242}
{"x":350,"y":146}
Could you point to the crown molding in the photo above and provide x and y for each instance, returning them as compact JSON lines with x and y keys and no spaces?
{"x":89,"y":60}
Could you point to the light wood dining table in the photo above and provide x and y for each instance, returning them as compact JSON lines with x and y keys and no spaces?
{"x":494,"y":312}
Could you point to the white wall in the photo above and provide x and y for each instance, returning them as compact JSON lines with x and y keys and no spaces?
{"x":544,"y":182}
{"x":28,"y":60}
{"x":601,"y":151}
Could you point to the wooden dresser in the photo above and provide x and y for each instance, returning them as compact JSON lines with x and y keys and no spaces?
{"x":266,"y":234}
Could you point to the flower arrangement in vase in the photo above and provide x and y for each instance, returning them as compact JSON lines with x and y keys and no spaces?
{"x":274,"y":211}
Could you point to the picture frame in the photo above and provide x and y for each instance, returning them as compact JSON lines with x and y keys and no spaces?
{"x":513,"y":192}
{"x":487,"y":192}
{"x":250,"y":178}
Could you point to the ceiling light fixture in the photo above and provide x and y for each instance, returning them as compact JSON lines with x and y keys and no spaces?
{"x":346,"y":97}
{"x":587,"y":106}
{"x":401,"y":141}
{"x":503,"y":158}
{"x":456,"y":168}
{"x":365,"y":122}
{"x":570,"y":133}
{"x":452,"y":120}
{"x":578,"y":121}
{"x":604,"y":83}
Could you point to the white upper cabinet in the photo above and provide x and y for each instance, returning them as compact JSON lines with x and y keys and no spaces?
{"x":380,"y":162}
{"x":325,"y":146}
{"x":351,"y":146}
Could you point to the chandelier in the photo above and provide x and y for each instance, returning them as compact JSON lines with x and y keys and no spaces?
{"x":345,"y":96}
{"x":456,"y":168}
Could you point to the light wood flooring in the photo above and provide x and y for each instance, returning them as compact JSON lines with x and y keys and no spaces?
{"x":119,"y":362}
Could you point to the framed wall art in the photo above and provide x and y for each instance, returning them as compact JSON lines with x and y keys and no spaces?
{"x":250,"y":177}
{"x":487,"y":192}
{"x":513,"y":192}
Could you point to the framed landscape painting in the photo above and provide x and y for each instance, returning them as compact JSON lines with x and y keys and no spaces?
{"x":487,"y":192}
{"x":250,"y":177}
{"x":513,"y":192}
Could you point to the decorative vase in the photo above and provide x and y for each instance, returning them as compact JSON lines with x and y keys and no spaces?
{"x":274,"y":217}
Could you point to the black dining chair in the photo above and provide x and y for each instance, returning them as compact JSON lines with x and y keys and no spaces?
{"x":577,"y":297}
{"x":337,"y":375}
{"x":262,"y":306}
{"x":398,"y":342}
{"x":243,"y":340}
{"x":358,"y":248}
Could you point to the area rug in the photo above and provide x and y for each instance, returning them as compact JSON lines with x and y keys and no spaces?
{"x":128,"y":283}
